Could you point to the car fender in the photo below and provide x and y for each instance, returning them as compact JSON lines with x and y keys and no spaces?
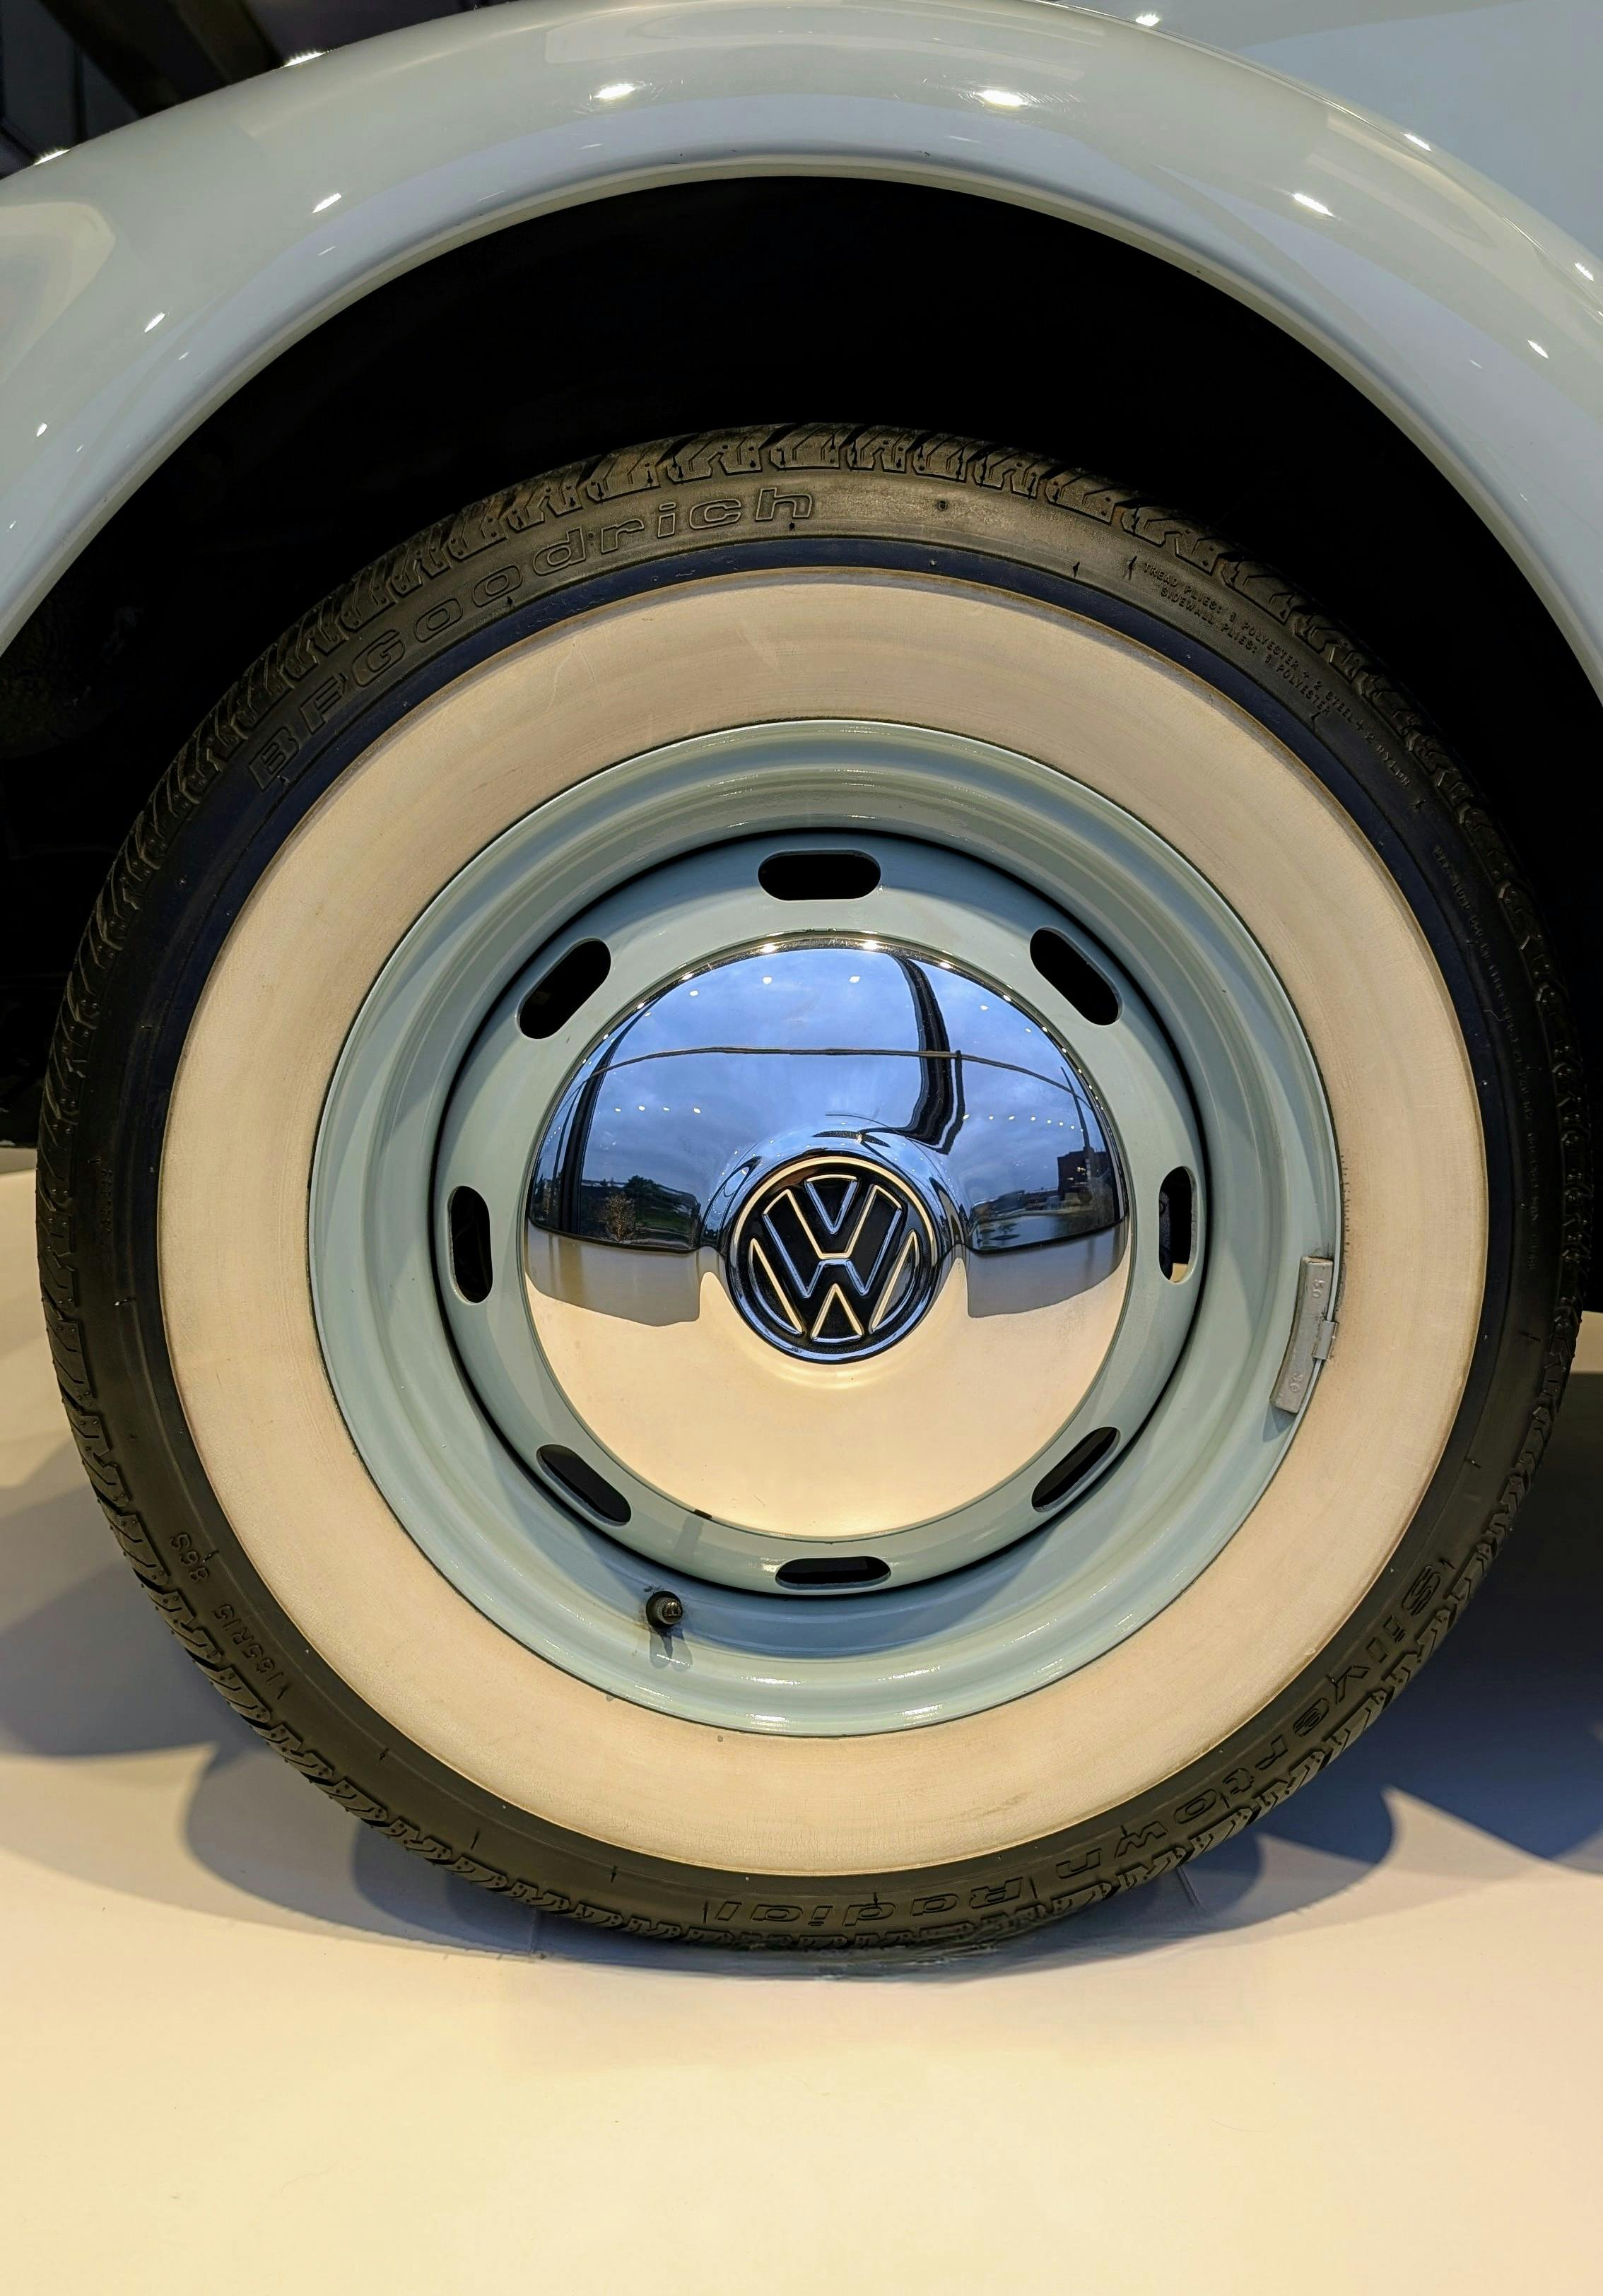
{"x":145,"y":276}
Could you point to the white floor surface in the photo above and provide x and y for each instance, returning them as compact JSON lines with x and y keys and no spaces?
{"x":244,"y":2042}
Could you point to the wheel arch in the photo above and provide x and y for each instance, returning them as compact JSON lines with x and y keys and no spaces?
{"x":1399,"y":334}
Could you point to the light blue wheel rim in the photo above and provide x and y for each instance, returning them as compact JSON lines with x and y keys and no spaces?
{"x":715,"y":896}
{"x":948,"y":1645}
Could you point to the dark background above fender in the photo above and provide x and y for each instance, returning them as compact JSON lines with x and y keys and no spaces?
{"x":76,"y":69}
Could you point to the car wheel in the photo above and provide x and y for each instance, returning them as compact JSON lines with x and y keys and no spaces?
{"x":812,"y":1186}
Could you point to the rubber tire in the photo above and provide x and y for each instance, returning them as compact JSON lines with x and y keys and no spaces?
{"x":320,"y":696}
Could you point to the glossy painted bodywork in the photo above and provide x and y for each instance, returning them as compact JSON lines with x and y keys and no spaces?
{"x":1508,"y":86}
{"x":145,"y":276}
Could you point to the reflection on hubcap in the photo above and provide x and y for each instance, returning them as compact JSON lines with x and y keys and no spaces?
{"x":826,"y":1237}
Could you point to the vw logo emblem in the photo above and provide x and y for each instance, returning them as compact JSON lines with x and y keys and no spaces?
{"x":833,"y":1258}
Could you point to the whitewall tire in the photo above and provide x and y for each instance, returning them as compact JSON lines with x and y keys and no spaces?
{"x":598,"y":707}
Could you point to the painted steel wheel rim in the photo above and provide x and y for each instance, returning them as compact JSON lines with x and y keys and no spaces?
{"x":953,"y":1508}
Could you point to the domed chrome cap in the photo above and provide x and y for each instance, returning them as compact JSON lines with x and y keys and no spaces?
{"x":826,"y":1238}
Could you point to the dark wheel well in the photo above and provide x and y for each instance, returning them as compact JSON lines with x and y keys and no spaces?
{"x":724,"y":303}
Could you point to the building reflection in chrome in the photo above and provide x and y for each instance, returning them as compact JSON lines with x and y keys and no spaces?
{"x":729,"y":1072}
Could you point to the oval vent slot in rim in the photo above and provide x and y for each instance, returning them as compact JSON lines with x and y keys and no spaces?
{"x":558,"y":994}
{"x":1075,"y":977}
{"x":580,"y":1481}
{"x":818,"y":876}
{"x":1056,"y":1485}
{"x":1177,"y":1223}
{"x":824,"y":1571}
{"x":473,"y":1270}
